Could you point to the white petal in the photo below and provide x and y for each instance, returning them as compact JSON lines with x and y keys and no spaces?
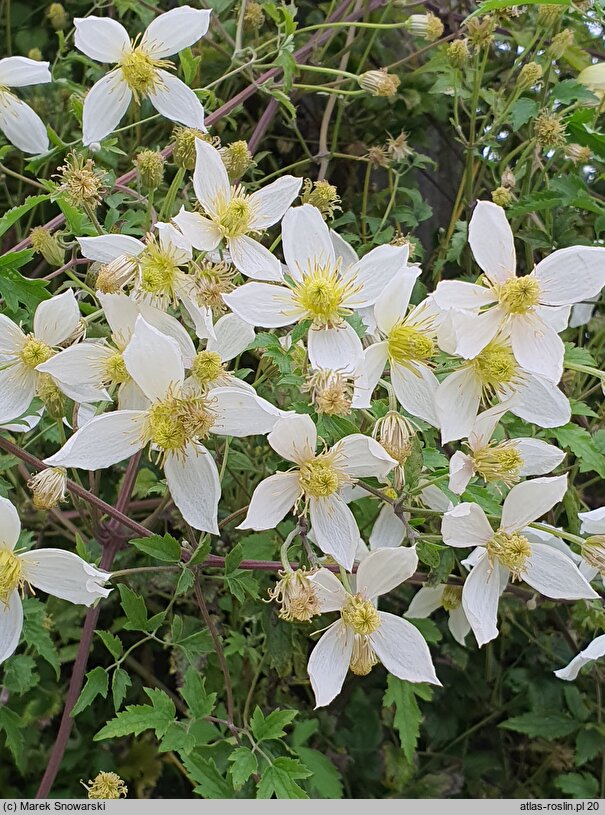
{"x":11,"y":625}
{"x":65,"y":575}
{"x":344,"y":251}
{"x":195,"y":486}
{"x":571,"y":275}
{"x":105,"y":105}
{"x":541,"y":402}
{"x":106,"y":248}
{"x":169,"y":325}
{"x":392,"y":304}
{"x":10,"y":524}
{"x":403,"y":650}
{"x":384,"y":569}
{"x":101,"y":38}
{"x":371,"y":369}
{"x":593,"y":522}
{"x":172,"y":240}
{"x":79,"y":371}
{"x":457,"y":402}
{"x":424,"y":602}
{"x":270,"y":203}
{"x":491,"y":241}
{"x":232,"y":337}
{"x":558,"y":317}
{"x":131,"y":397}
{"x":201,"y":232}
{"x":56,"y":319}
{"x":242,"y":413}
{"x":335,"y":528}
{"x":294,"y":437}
{"x":176,"y":101}
{"x":17,"y":389}
{"x":581,"y":314}
{"x":306,"y":240}
{"x":262,"y":304}
{"x":416,"y":390}
{"x":175,"y":30}
{"x":271,"y":501}
{"x":462,"y":469}
{"x":388,"y":529}
{"x":360,"y":455}
{"x":12,"y":339}
{"x":383,"y":265}
{"x":537,"y":347}
{"x":475,"y":331}
{"x":480,"y":596}
{"x":595,"y":650}
{"x":459,"y":295}
{"x":154,"y":361}
{"x":21,"y":125}
{"x":201,"y":317}
{"x":329,"y":590}
{"x":253,"y":259}
{"x":485,"y":424}
{"x":466,"y":525}
{"x":329,"y":663}
{"x":15,"y":72}
{"x":458,"y":624}
{"x":103,"y":441}
{"x":554,"y":575}
{"x":338,"y":349}
{"x":538,"y":456}
{"x":210,"y":179}
{"x":530,"y":500}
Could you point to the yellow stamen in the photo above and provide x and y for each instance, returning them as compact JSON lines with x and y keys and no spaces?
{"x":511,"y":550}
{"x":500,"y":462}
{"x":319,"y":478}
{"x":321,"y":293}
{"x":495,"y":365}
{"x":35,"y":352}
{"x":518,"y":295}
{"x":360,"y":615}
{"x":140,"y":71}
{"x":451,"y":599}
{"x":115,"y":371}
{"x":207,"y":367}
{"x":11,"y":574}
{"x":174,"y":422}
{"x":234,"y":215}
{"x":406,"y":344}
{"x":363,"y":657}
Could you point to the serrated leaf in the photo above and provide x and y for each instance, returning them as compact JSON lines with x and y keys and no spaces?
{"x":161,"y":547}
{"x":13,"y":215}
{"x":15,"y":288}
{"x":272,"y":726}
{"x":325,"y":779}
{"x":10,"y":724}
{"x":279,"y":779}
{"x":112,"y":643}
{"x":120,"y":682}
{"x":541,"y":724}
{"x":582,"y":445}
{"x":97,"y":684}
{"x":137,"y":718}
{"x":522,"y":111}
{"x":408,"y":716}
{"x":199,"y":702}
{"x":243,"y":765}
{"x":36,"y":634}
{"x":134,"y":608}
{"x":590,"y":743}
{"x":578,"y":785}
{"x":204,"y":772}
{"x":19,"y":673}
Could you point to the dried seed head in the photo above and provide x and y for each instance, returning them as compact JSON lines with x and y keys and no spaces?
{"x":480,"y":31}
{"x":398,"y":148}
{"x":322,"y":195}
{"x":379,"y":82}
{"x":212,"y":280}
{"x":48,"y":245}
{"x":427,"y":26}
{"x":80,"y":182}
{"x":184,"y":145}
{"x":378,"y":156}
{"x":150,"y":167}
{"x":502,"y":196}
{"x":237,"y":159}
{"x":296,"y":595}
{"x":331,"y":392}
{"x":107,"y":786}
{"x":57,"y":16}
{"x":578,"y":153}
{"x":549,"y":130}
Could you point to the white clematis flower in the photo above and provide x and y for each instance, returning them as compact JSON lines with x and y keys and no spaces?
{"x":430,"y":598}
{"x":523,"y":306}
{"x":19,"y":123}
{"x":593,"y":651}
{"x":364,"y":636}
{"x":140,"y":69}
{"x":507,"y":553}
{"x":176,"y":423}
{"x":233,"y":215}
{"x":503,"y":461}
{"x":319,"y":289}
{"x":54,"y":571}
{"x":495,"y":372}
{"x":99,"y":365}
{"x":55,"y":320}
{"x":232,"y":337}
{"x":319,"y":479}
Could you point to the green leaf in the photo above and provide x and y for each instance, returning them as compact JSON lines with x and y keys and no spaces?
{"x":590,"y":743}
{"x":582,"y":445}
{"x":243,"y":765}
{"x":189,"y":64}
{"x":541,"y":724}
{"x":97,"y":684}
{"x":10,"y":723}
{"x":202,"y":551}
{"x":522,"y":111}
{"x":270,"y":727}
{"x":211,"y":784}
{"x":408,"y":716}
{"x":570,"y":90}
{"x":19,"y":673}
{"x":137,"y":718}
{"x":494,"y":5}
{"x":134,"y":608}
{"x":579,"y":356}
{"x":325,"y":779}
{"x":120,"y":682}
{"x":13,"y":215}
{"x":161,"y":547}
{"x":199,"y":702}
{"x":578,"y":785}
{"x":112,"y":643}
{"x":36,"y":633}
{"x":279,"y":779}
{"x":18,"y":289}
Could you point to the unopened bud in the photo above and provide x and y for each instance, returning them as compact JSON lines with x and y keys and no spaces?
{"x":331,"y":392}
{"x":427,"y":26}
{"x":529,"y":75}
{"x":106,"y":786}
{"x":502,"y":196}
{"x":35,"y":53}
{"x":48,"y":245}
{"x":184,"y":145}
{"x":296,"y":595}
{"x":578,"y":153}
{"x":549,"y":130}
{"x":458,"y":53}
{"x":48,"y":487}
{"x":150,"y":167}
{"x":480,"y":31}
{"x":561,"y":42}
{"x":593,"y":552}
{"x":254,"y":17}
{"x":49,"y":393}
{"x":379,"y":82}
{"x":237,"y":159}
{"x":549,"y":15}
{"x":322,"y":195}
{"x":395,"y":433}
{"x":57,"y":16}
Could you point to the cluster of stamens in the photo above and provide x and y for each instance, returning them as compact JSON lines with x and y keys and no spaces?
{"x":158,"y":272}
{"x":499,"y":462}
{"x":11,"y":574}
{"x":519,"y":295}
{"x":511,"y":550}
{"x":321,"y":294}
{"x":140,"y":71}
{"x":171,"y":424}
{"x":234,"y":216}
{"x":34,"y":352}
{"x":319,"y":478}
{"x":495,"y":366}
{"x":406,"y":344}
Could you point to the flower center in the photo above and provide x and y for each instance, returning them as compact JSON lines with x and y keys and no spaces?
{"x":321,"y":294}
{"x":140,"y":71}
{"x":115,"y":369}
{"x":406,"y":344}
{"x":360,"y":615}
{"x":512,"y":550}
{"x":35,"y":352}
{"x":11,"y":574}
{"x":501,"y":462}
{"x":451,"y":599}
{"x":495,"y":365}
{"x":158,"y":272}
{"x":363,"y":657}
{"x":207,"y":367}
{"x":318,"y":478}
{"x":518,"y":295}
{"x":172,"y":423}
{"x":235,"y":216}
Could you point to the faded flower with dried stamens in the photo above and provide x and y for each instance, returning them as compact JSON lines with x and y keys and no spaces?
{"x":322,"y":195}
{"x":48,"y":487}
{"x":48,"y":245}
{"x":427,"y":26}
{"x":106,"y":786}
{"x":379,"y":82}
{"x":296,"y":595}
{"x":80,"y":181}
{"x":331,"y":392}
